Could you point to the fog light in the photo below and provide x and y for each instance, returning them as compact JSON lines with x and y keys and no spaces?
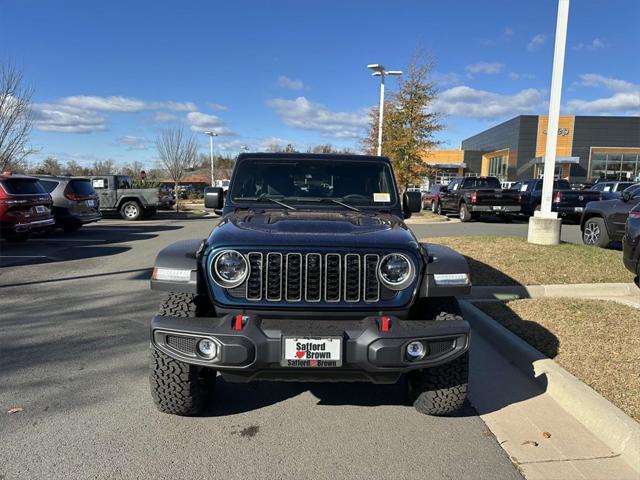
{"x":207,"y":348}
{"x":416,"y":350}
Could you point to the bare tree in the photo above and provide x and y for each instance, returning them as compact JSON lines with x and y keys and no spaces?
{"x":49,"y":166}
{"x":16,"y":117}
{"x":103,"y":167}
{"x":177,"y":152}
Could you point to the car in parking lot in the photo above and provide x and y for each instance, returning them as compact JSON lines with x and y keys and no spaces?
{"x":471,"y":196}
{"x":116,"y":195}
{"x":604,"y":221}
{"x":611,"y":189}
{"x":431,"y":197}
{"x":631,"y":243}
{"x":75,"y":202}
{"x":566,"y":202}
{"x":25,"y":207}
{"x":326,"y":284}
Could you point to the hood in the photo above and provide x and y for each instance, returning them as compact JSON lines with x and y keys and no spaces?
{"x":305,"y":228}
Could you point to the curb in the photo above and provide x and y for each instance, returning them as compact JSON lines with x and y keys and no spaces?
{"x":578,"y":290}
{"x":615,"y":428}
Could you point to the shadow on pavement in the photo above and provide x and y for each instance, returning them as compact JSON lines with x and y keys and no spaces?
{"x":91,"y":242}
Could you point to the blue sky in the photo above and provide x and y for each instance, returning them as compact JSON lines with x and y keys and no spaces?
{"x":109,"y":75}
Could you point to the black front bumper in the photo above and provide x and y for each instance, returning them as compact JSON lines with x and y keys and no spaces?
{"x":254,"y":351}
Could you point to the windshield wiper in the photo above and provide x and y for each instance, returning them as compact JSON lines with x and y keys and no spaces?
{"x":340,"y":202}
{"x":265,"y":197}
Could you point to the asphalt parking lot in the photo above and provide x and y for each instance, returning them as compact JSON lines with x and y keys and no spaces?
{"x":73,"y":356}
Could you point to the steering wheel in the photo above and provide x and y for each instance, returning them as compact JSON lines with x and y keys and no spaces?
{"x":355,"y":196}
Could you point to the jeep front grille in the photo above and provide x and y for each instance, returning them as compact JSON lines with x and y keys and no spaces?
{"x":311,"y":277}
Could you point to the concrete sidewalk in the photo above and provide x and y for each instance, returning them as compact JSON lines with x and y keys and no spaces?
{"x":540,"y":437}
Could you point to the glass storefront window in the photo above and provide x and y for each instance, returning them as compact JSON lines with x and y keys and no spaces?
{"x":615,"y":166}
{"x":498,"y":167}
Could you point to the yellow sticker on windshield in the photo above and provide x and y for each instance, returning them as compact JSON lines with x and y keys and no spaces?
{"x":381,"y":197}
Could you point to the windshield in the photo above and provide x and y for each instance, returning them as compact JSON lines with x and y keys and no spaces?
{"x":355,"y":182}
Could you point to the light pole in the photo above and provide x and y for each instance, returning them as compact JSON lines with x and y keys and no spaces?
{"x":211,"y":135}
{"x":379,"y":71}
{"x":545,"y":226}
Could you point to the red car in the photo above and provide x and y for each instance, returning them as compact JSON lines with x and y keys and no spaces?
{"x":431,"y":197}
{"x":25,"y":207}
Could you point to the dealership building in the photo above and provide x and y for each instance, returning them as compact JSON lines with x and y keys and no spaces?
{"x":588,"y":148}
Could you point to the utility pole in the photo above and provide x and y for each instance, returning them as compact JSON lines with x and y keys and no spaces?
{"x":211,"y":135}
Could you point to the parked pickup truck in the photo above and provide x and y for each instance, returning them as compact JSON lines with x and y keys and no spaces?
{"x":471,"y":196}
{"x":568,"y":203}
{"x":116,"y":195}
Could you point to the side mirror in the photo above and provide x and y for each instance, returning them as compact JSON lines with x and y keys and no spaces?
{"x":411,"y":203}
{"x":626,"y":196}
{"x":213,"y":198}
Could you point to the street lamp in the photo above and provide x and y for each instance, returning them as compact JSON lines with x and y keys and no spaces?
{"x":211,"y":135}
{"x":379,"y":71}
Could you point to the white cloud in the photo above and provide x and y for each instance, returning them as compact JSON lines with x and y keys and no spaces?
{"x":201,"y":122}
{"x":134,"y":143}
{"x":304,"y":114}
{"x":289,"y":83}
{"x":216,"y":107}
{"x":536,"y":42}
{"x":508,"y":33}
{"x":625,"y":97}
{"x":66,"y":119}
{"x":595,"y":44}
{"x":163,"y":117}
{"x":123,"y":104}
{"x":519,"y":76}
{"x":468,"y":102}
{"x":445,"y":79}
{"x":490,"y":68}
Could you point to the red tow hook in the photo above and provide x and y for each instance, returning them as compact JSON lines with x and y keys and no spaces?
{"x":385,"y":323}
{"x":240,"y":322}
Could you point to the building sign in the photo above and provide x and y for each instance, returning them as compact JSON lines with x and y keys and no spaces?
{"x":563,"y":132}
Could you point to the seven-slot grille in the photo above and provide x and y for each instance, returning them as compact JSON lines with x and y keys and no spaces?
{"x":312,"y":277}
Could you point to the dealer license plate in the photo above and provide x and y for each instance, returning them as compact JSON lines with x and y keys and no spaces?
{"x":91,"y":203}
{"x":311,"y":352}
{"x":578,"y":209}
{"x":497,"y":207}
{"x":41,"y":209}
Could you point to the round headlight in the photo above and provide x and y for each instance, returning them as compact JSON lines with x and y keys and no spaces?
{"x":230,"y":268}
{"x":396,"y":271}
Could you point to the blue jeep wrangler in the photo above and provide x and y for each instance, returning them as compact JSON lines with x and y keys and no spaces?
{"x":310,"y":275}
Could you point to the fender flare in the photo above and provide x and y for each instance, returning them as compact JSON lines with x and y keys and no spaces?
{"x":181,"y":255}
{"x":443,"y":260}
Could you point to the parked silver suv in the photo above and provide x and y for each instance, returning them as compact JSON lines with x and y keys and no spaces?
{"x":75,"y":202}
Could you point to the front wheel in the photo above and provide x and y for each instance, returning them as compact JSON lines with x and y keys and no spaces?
{"x":131,"y":210}
{"x":595,"y":233}
{"x":440,"y":390}
{"x":465,"y":214}
{"x":439,"y":209}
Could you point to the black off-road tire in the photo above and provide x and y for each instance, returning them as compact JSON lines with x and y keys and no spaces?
{"x":464,"y":214}
{"x":440,"y":390}
{"x":131,"y":210}
{"x":439,"y":210}
{"x":179,"y":388}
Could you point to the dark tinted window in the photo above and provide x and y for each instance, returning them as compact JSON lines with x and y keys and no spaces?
{"x":81,"y":187}
{"x":633,"y":190}
{"x":623,"y":185}
{"x":22,"y":186}
{"x":488,"y":182}
{"x":124,"y":182}
{"x":49,"y":185}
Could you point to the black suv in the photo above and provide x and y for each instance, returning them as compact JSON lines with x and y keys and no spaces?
{"x":311,"y":275}
{"x":603,"y":222}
